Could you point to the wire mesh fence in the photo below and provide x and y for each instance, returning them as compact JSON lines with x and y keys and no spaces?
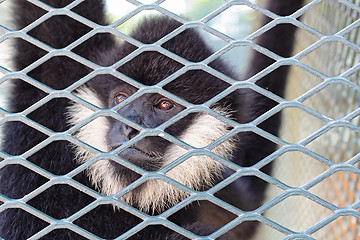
{"x":318,"y":150}
{"x":339,"y":144}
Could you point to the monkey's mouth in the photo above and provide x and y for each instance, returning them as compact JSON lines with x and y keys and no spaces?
{"x":137,"y":156}
{"x":131,"y":149}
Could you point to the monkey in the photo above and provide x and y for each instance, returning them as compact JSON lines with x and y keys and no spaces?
{"x":129,"y":105}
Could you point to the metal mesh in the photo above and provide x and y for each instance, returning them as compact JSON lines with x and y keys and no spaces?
{"x":339,"y":144}
{"x":324,"y":80}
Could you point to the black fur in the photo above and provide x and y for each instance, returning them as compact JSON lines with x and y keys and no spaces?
{"x":61,"y":201}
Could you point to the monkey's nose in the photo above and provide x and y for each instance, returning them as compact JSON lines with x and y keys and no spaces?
{"x":129,"y":132}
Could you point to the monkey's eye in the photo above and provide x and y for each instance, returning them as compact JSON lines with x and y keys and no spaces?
{"x":165,"y":104}
{"x":120,"y":97}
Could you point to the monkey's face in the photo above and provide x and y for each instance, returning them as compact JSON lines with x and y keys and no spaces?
{"x":149,"y":110}
{"x":146,"y":112}
{"x":151,"y":153}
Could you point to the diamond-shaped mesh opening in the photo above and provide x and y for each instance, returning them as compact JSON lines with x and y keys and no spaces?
{"x":353,"y":35}
{"x":213,"y":41}
{"x":263,"y":118}
{"x":278,"y":29}
{"x":33,"y":180}
{"x":94,"y":128}
{"x":162,"y":71}
{"x":41,"y":114}
{"x":269,"y":81}
{"x":133,"y":16}
{"x":90,"y":16}
{"x":297,"y":213}
{"x":66,"y":37}
{"x":22,"y":103}
{"x":7,"y":48}
{"x":308,"y":82}
{"x":267,"y":62}
{"x":49,"y":164}
{"x":333,"y":141}
{"x":21,"y":219}
{"x":91,"y":91}
{"x":204,"y":167}
{"x":4,"y":92}
{"x":341,"y":104}
{"x":235,"y":57}
{"x":203,"y":51}
{"x":309,"y":39}
{"x":269,"y":232}
{"x":37,"y":13}
{"x":340,"y":189}
{"x":204,"y":81}
{"x":110,"y":225}
{"x":335,"y":13}
{"x":210,"y":213}
{"x":110,"y":167}
{"x":242,"y":13}
{"x":11,"y":45}
{"x":215,"y":214}
{"x":298,"y":118}
{"x":58,"y":197}
{"x":273,"y":191}
{"x":245,"y":193}
{"x":296,"y":168}
{"x":250,"y":154}
{"x":344,"y":227}
{"x":58,"y":66}
{"x":100,"y":57}
{"x":6,"y":16}
{"x":28,"y":132}
{"x":334,"y":50}
{"x":114,"y":13}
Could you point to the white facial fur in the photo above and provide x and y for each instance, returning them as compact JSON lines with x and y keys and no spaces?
{"x":195,"y":172}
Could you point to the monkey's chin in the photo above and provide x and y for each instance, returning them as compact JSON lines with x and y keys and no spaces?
{"x":141,"y":159}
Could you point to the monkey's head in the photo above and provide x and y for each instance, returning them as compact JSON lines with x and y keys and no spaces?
{"x":149,"y":110}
